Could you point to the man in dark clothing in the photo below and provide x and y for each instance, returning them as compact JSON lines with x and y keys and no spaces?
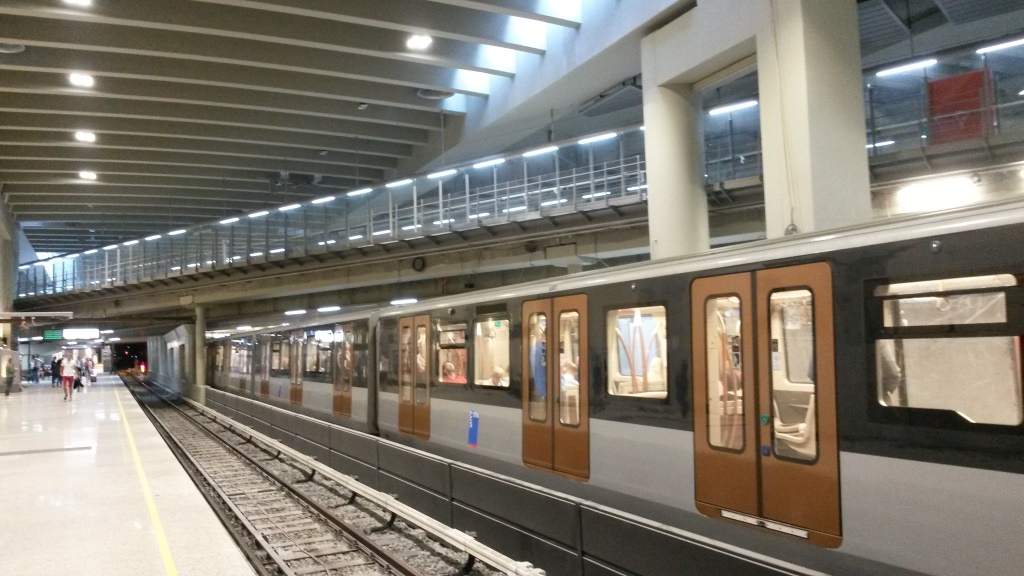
{"x":55,"y":371}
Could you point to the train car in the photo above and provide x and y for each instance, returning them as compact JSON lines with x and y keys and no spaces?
{"x":852,"y":395}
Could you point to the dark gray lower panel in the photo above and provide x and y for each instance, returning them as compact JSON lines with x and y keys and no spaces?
{"x":313,"y":431}
{"x":650,"y":552}
{"x":350,"y":466}
{"x":322,"y":455}
{"x":433,"y":505}
{"x":357,"y":446}
{"x":423,"y":470}
{"x":539,"y":512}
{"x":515,"y":543}
{"x":592,"y":567}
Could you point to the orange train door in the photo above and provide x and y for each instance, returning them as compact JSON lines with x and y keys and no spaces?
{"x":297,"y":365}
{"x":765,"y":443}
{"x":343,"y":373}
{"x":556,"y":422}
{"x":263,"y":348}
{"x":414,"y":375}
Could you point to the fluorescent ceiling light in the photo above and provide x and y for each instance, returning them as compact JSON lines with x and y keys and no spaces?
{"x":356,"y":237}
{"x":1002,"y":46}
{"x":418,"y":42}
{"x":403,"y":301}
{"x":294,"y":312}
{"x":131,"y":243}
{"x":87,"y":175}
{"x":515,"y":209}
{"x":255,"y":254}
{"x":81,"y":80}
{"x":329,"y":309}
{"x":106,"y":331}
{"x":82,"y":3}
{"x":37,"y":338}
{"x":289,"y":207}
{"x":399,"y":183}
{"x":598,"y":138}
{"x":153,"y":237}
{"x":379,"y":232}
{"x":229,"y":221}
{"x":111,"y":247}
{"x":908,"y":67}
{"x":554,"y":202}
{"x":114,"y":339}
{"x":635,"y":188}
{"x":277,"y":250}
{"x":83,"y":136}
{"x":732,"y":107}
{"x":25,"y":267}
{"x":480,"y":215}
{"x":244,"y":328}
{"x":539,"y":151}
{"x":594,"y":195}
{"x":880,"y":144}
{"x":258,"y":214}
{"x":324,"y":199}
{"x":22,"y":339}
{"x":93,"y":251}
{"x":175,"y":232}
{"x":442,"y":173}
{"x":360,"y":192}
{"x":175,"y":268}
{"x":487,"y":163}
{"x":412,"y":226}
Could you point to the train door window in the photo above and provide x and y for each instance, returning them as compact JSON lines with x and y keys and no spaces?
{"x":555,"y":357}
{"x":342,"y":366}
{"x":405,"y":377}
{"x":358,"y":335}
{"x":451,"y":353}
{"x":422,"y":380}
{"x":946,"y":345}
{"x":296,"y":365}
{"x":569,"y":358}
{"x":537,"y":369}
{"x":724,"y":373}
{"x":637,"y":359}
{"x":491,"y":351}
{"x":793,"y":374}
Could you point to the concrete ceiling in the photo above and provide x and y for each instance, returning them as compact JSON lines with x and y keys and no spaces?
{"x":203,"y":108}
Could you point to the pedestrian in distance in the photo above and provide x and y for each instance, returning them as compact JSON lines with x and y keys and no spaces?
{"x":68,"y":371}
{"x":55,"y":371}
{"x":8,"y":374}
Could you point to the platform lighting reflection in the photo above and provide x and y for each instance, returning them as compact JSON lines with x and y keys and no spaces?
{"x":487,"y":163}
{"x":598,"y":138}
{"x":329,"y":309}
{"x":732,"y":107}
{"x":229,"y":221}
{"x":81,"y":80}
{"x":289,"y":207}
{"x":322,"y":200}
{"x":360,"y":192}
{"x":294,"y":312}
{"x":83,"y":136}
{"x":418,"y":42}
{"x":539,"y":151}
{"x":1002,"y":46}
{"x":908,"y":67}
{"x":175,"y":232}
{"x":258,"y":214}
{"x":442,"y":173}
{"x":403,"y":301}
{"x":93,"y":251}
{"x":131,"y":243}
{"x":87,"y":175}
{"x":153,"y":237}
{"x":399,"y":183}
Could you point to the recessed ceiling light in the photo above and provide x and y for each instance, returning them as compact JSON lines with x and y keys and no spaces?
{"x":86,"y":175}
{"x":81,"y":80}
{"x":418,"y":42}
{"x":83,"y":136}
{"x":82,"y":3}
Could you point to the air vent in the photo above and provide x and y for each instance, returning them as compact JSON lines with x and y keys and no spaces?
{"x":431,"y":94}
{"x":623,"y":95}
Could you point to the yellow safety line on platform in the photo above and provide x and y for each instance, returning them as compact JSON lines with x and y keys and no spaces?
{"x":165,"y":550}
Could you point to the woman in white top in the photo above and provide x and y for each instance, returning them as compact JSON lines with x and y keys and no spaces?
{"x":68,"y":371}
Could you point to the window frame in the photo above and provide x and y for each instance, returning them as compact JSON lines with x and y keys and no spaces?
{"x":607,"y":367}
{"x":633,"y":401}
{"x":785,"y":360}
{"x":474,"y":354}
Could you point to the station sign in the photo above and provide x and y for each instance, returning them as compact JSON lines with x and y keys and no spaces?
{"x":81,"y":333}
{"x":53,"y":335}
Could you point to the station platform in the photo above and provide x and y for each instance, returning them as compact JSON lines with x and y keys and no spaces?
{"x":88,"y":487}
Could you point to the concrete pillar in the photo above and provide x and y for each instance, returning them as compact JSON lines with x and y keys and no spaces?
{"x":812,"y":117}
{"x":198,"y":390}
{"x":677,"y":205}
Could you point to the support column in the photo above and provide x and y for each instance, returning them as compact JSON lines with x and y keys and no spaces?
{"x":812,"y":117}
{"x":677,"y":205}
{"x":198,"y":390}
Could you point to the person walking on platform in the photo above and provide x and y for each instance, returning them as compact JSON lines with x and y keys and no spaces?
{"x":68,"y":371}
{"x":55,"y":371}
{"x":8,"y":375}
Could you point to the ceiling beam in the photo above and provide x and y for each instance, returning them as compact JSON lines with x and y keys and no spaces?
{"x":568,"y":12}
{"x":82,"y":213}
{"x":44,"y":183}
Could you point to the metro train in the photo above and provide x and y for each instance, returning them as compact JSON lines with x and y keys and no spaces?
{"x":850,"y":394}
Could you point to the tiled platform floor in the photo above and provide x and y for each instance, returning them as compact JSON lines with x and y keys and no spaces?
{"x":72,"y":498}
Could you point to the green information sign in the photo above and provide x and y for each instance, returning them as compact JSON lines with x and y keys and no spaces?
{"x":53,"y":334}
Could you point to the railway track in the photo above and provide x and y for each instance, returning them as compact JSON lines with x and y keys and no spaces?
{"x":286,"y":519}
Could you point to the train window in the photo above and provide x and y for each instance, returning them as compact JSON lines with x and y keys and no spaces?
{"x":537,"y":371}
{"x":451,"y":353}
{"x":725,"y":373}
{"x":421,"y":365}
{"x":491,"y":351}
{"x":405,"y":378}
{"x":637,"y":362}
{"x":283,"y":352}
{"x":568,"y":360}
{"x":793,"y":375}
{"x":218,"y":361}
{"x":978,"y":377}
{"x":343,"y":357}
